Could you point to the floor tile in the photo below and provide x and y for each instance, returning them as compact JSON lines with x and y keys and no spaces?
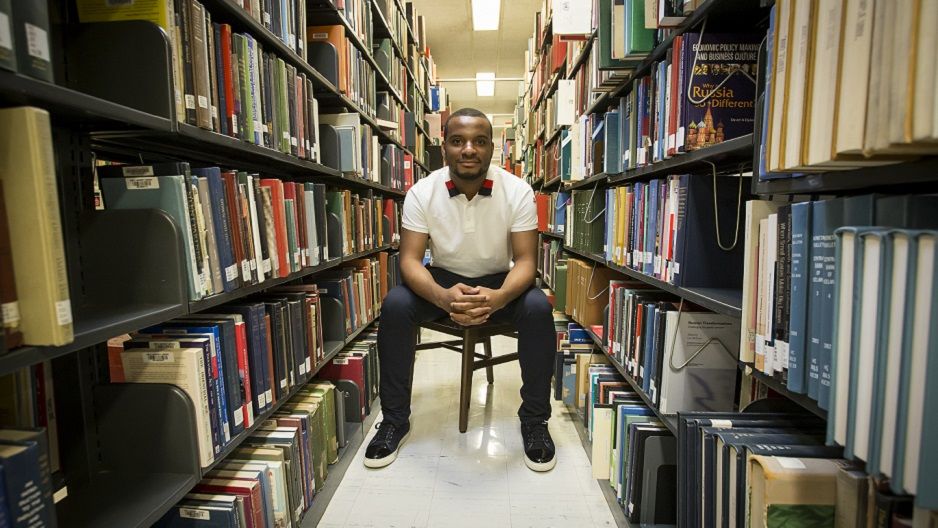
{"x":449,"y":479}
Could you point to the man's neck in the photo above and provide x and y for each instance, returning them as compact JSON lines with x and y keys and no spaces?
{"x":468,"y":187}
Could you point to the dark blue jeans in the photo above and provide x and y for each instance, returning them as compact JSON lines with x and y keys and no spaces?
{"x":403,"y":310}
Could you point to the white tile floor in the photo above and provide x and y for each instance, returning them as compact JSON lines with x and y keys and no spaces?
{"x":448,"y":479}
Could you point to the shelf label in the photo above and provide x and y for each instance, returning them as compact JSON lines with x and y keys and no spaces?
{"x":159,"y":357}
{"x":63,"y":312}
{"x":6,"y":38}
{"x":137,"y":184}
{"x":309,"y":365}
{"x":790,"y":463}
{"x":214,"y":112}
{"x":262,"y":400}
{"x":246,"y":269}
{"x":721,"y":424}
{"x":164,"y":345}
{"x":238,"y":418}
{"x":231,"y":273}
{"x":190,"y":102}
{"x":265,"y":265}
{"x":10,"y":313}
{"x":37,"y":42}
{"x":203,"y":102}
{"x":270,"y":395}
{"x":194,"y":513}
{"x":234,"y":123}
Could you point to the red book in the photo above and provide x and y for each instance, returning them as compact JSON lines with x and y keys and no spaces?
{"x":230,"y":181}
{"x":299,"y":205}
{"x":250,"y":490}
{"x":408,"y":171}
{"x":558,"y":53}
{"x":280,"y":222}
{"x":229,"y":112}
{"x":543,"y":206}
{"x":345,"y":367}
{"x":241,"y":343}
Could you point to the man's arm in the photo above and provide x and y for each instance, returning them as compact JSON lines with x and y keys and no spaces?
{"x":518,"y":280}
{"x":418,"y":279}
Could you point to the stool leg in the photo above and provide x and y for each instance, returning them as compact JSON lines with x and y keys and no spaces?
{"x":487,"y":345}
{"x":465,"y":387}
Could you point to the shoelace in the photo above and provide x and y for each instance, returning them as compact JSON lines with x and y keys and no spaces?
{"x":385,"y":432}
{"x":538,"y":435}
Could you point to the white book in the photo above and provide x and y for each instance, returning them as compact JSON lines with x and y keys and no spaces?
{"x":184,"y":368}
{"x":255,"y":230}
{"x":843,"y":330}
{"x":602,"y":423}
{"x":756,"y":210}
{"x":708,"y":381}
{"x":798,"y":76}
{"x":876,"y":133}
{"x":866,"y":338}
{"x":823,"y":89}
{"x":925,"y":109}
{"x":853,"y":87}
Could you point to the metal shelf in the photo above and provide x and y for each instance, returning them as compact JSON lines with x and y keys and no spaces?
{"x":801,"y":399}
{"x":581,"y":58}
{"x":920,"y":173}
{"x":73,"y":107}
{"x":592,"y":180}
{"x":719,"y":300}
{"x":552,"y":234}
{"x":736,"y":149}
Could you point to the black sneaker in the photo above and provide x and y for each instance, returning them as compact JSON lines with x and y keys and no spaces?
{"x":387,"y":442}
{"x":538,"y":446}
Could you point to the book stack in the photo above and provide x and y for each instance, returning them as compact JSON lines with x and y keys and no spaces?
{"x":272,"y":478}
{"x":240,"y":229}
{"x":25,"y":473}
{"x":356,"y":78}
{"x":631,"y":448}
{"x":854,"y":95}
{"x":658,"y":227}
{"x":585,"y":219}
{"x":676,"y":108}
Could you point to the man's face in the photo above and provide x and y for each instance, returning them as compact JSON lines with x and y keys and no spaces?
{"x":468,"y":147}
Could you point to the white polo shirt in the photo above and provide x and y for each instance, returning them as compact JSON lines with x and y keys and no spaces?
{"x":470,"y":238}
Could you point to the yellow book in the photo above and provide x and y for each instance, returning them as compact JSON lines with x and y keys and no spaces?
{"x":160,"y":12}
{"x":27,"y":170}
{"x":788,"y":491}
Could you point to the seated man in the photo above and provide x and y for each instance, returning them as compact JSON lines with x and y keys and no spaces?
{"x":477,"y":218}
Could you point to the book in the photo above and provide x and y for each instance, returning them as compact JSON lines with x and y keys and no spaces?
{"x":30,"y":193}
{"x":30,"y":24}
{"x":789,"y":489}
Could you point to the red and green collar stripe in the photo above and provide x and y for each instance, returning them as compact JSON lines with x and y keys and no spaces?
{"x":486,"y":189}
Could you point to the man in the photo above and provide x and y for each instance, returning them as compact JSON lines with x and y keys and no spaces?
{"x":477,"y":219}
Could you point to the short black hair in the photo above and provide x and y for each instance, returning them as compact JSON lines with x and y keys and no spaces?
{"x":467,"y":112}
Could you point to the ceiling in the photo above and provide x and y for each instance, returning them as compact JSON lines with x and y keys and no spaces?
{"x":460,"y":52}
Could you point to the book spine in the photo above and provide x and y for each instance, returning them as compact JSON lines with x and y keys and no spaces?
{"x":798,"y":302}
{"x":185,"y":28}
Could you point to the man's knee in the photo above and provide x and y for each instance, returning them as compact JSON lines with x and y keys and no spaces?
{"x":400,"y":302}
{"x":536,"y":304}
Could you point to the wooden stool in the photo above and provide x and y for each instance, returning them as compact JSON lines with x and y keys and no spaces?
{"x":466,"y":346}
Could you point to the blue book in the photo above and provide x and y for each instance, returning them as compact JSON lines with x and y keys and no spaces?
{"x":560,"y":212}
{"x":763,"y":173}
{"x":191,"y":512}
{"x":222,"y":224}
{"x":253,"y":315}
{"x":626,"y":415}
{"x":623,"y":133}
{"x":28,"y":503}
{"x":578,"y":335}
{"x":923,"y":392}
{"x":612,"y":159}
{"x":800,"y":282}
{"x":651,"y":220}
{"x":857,"y":211}
{"x":826,"y":216}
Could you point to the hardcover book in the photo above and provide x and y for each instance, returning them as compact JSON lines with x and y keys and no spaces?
{"x":719,"y":102}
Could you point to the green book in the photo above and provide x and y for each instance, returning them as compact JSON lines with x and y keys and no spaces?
{"x":639,"y":40}
{"x":292,"y":248}
{"x":560,"y":287}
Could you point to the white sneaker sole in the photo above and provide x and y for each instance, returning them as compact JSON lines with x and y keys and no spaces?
{"x":540,"y":466}
{"x":377,"y":463}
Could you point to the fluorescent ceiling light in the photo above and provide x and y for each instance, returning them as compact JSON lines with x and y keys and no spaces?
{"x":485,"y":14}
{"x":485,"y":84}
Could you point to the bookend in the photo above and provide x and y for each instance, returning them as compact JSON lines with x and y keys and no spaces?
{"x":352,"y":393}
{"x":340,"y":399}
{"x":325,"y":59}
{"x":383,"y":61}
{"x":137,"y":73}
{"x":117,"y":282}
{"x":129,"y":451}
{"x":329,"y":154}
{"x":333,"y":320}
{"x":385,"y":230}
{"x":334,"y":234}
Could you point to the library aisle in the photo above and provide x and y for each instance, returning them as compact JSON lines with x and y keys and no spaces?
{"x":445,"y":478}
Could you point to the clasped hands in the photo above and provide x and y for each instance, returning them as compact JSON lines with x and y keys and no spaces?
{"x":471,"y":305}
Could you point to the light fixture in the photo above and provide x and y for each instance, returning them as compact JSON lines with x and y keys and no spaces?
{"x":485,"y":84}
{"x":485,"y":14}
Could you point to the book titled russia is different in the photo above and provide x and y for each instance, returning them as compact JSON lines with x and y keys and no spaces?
{"x":719,"y":101}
